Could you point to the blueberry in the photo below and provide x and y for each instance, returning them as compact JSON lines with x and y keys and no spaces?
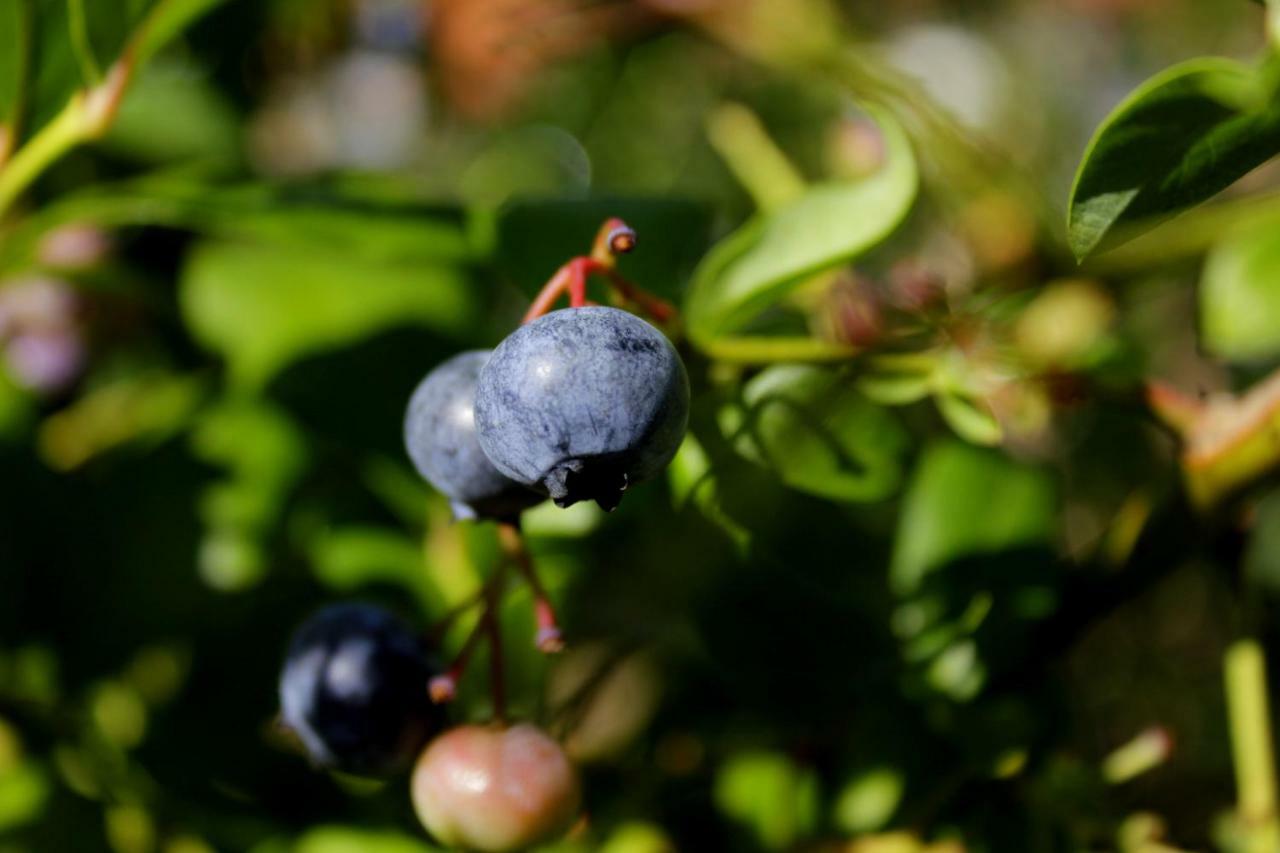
{"x":440,"y":435}
{"x":354,"y":689}
{"x":581,"y":403}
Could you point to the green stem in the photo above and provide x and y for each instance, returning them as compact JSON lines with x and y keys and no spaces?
{"x":766,"y":350}
{"x":1251,"y":743}
{"x":755,"y":160}
{"x":11,"y":125}
{"x":67,"y":129}
{"x":88,"y":115}
{"x":78,"y":25}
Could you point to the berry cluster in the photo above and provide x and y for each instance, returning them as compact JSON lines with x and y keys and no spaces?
{"x":577,"y":404}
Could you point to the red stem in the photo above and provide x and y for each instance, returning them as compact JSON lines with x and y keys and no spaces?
{"x":615,"y":237}
{"x":548,"y":637}
{"x":444,"y":687}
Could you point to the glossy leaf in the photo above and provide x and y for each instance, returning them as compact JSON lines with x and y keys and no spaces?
{"x":819,"y":434}
{"x":963,"y":502}
{"x":829,"y":225}
{"x":262,"y":306}
{"x":1181,"y":137}
{"x":1240,"y":295}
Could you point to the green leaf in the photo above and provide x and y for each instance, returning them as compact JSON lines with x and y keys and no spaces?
{"x":83,"y":56}
{"x":351,"y":557}
{"x":166,"y":21}
{"x":263,"y":306}
{"x":1262,"y":555}
{"x":174,"y":114}
{"x":144,"y":408}
{"x":1240,"y":295}
{"x":829,"y":225}
{"x":694,"y":481}
{"x":965,"y":501}
{"x":1181,"y":137}
{"x":23,"y":792}
{"x":334,"y":220}
{"x":768,"y":793}
{"x":868,"y":800}
{"x":64,"y":52}
{"x":970,"y":418}
{"x":343,"y":839}
{"x":819,"y":434}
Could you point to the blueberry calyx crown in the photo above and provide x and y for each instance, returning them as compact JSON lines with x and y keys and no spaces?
{"x":586,"y":480}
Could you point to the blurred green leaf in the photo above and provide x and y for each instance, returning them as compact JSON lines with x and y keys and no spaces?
{"x":965,"y":501}
{"x":119,"y":713}
{"x":772,"y":796}
{"x":173,"y":113}
{"x":348,"y":558}
{"x":693,"y":481}
{"x":231,"y":559}
{"x":130,"y":829}
{"x":343,"y":839}
{"x":1262,"y":554}
{"x":166,"y":20}
{"x":868,"y":800}
{"x":896,"y":388}
{"x":23,"y":792}
{"x":827,"y":226}
{"x":1240,"y":295}
{"x":34,"y":676}
{"x":65,"y":52}
{"x":263,"y":306}
{"x":812,"y":427}
{"x":263,"y":452}
{"x":1178,"y":139}
{"x":638,"y":838}
{"x":140,"y":408}
{"x":353,"y":222}
{"x":541,"y":160}
{"x":969,"y":417}
{"x":17,"y":407}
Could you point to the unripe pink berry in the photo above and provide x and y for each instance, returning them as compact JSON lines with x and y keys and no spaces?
{"x":493,"y":789}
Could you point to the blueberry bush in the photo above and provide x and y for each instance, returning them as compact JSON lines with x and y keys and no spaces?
{"x":639,"y":425}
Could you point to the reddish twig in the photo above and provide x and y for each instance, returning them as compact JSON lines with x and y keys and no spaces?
{"x":614,"y":238}
{"x":548,"y":637}
{"x":444,"y":687}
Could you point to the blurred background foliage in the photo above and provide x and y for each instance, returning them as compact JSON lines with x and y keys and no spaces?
{"x":961,"y":532}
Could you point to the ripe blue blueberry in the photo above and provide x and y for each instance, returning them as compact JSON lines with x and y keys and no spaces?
{"x":354,"y":689}
{"x":581,"y":403}
{"x":440,"y":435}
